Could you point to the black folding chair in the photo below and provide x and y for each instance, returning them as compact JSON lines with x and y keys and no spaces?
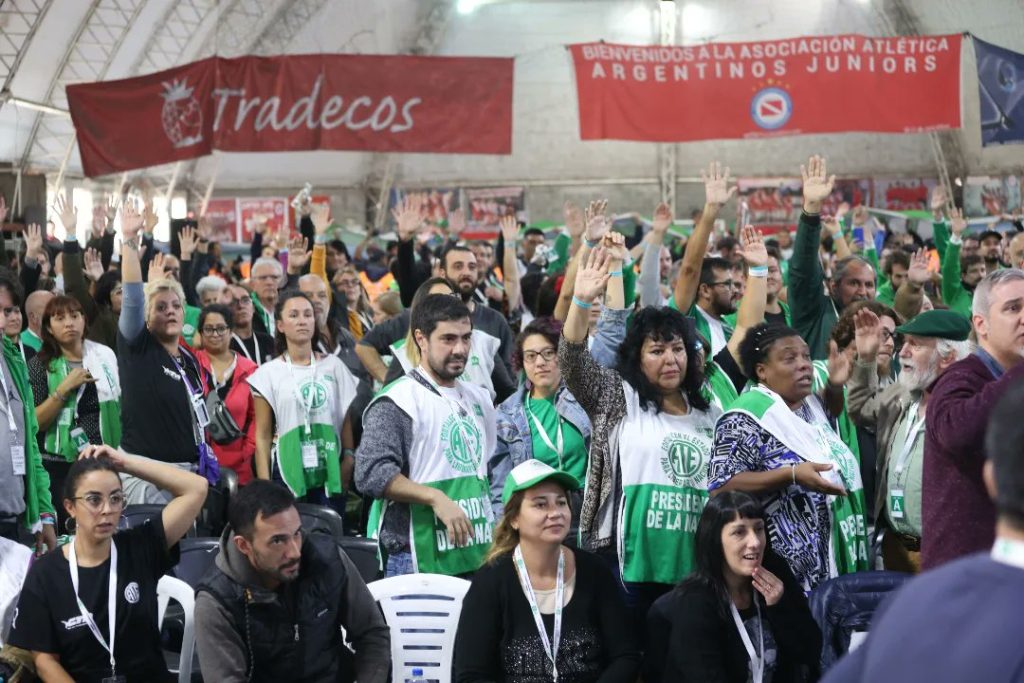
{"x":196,"y":558}
{"x":134,"y":515}
{"x":318,"y":519}
{"x":363,"y":553}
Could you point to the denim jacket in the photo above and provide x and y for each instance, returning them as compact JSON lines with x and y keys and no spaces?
{"x":515,"y":441}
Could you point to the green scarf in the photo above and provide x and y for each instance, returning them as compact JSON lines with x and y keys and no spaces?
{"x":99,"y":361}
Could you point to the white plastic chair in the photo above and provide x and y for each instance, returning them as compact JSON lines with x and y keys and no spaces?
{"x":422,"y":611}
{"x":171,"y":588}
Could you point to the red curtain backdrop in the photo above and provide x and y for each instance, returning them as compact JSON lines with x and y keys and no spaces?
{"x":263,"y":104}
{"x":822,"y":84}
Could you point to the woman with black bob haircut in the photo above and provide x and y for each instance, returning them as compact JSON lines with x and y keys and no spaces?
{"x":88,"y":612}
{"x":779,"y":442}
{"x":651,"y":438}
{"x":741,"y":615}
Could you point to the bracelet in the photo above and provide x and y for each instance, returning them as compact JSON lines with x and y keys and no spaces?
{"x":615,"y":273}
{"x":59,"y":396}
{"x":348,"y":451}
{"x":758,"y":271}
{"x":320,"y":239}
{"x":792,"y":469}
{"x":579,"y":302}
{"x":591,"y":244}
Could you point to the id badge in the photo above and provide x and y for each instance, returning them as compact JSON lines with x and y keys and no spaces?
{"x":18,"y":459}
{"x":202,"y":415}
{"x":896,"y":503}
{"x":79,"y":438}
{"x":310,"y":456}
{"x":67,"y":417}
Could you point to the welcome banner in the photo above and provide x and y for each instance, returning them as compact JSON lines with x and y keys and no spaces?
{"x":263,"y":104}
{"x":823,"y":84}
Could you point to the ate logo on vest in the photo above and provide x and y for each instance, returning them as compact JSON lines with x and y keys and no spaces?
{"x":460,"y":442}
{"x":319,"y":394}
{"x":682,"y":460}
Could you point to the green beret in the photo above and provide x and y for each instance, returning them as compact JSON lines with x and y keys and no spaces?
{"x":938,"y":323}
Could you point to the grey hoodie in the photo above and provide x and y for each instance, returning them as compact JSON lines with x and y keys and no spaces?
{"x":222,"y":652}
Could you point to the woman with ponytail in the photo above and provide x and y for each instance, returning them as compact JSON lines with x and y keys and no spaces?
{"x":539,"y":610}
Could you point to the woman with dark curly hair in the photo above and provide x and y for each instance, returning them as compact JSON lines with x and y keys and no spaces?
{"x":652,"y":430}
{"x":542,"y":419}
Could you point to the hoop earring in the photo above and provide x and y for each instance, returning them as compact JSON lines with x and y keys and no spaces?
{"x":69,"y":525}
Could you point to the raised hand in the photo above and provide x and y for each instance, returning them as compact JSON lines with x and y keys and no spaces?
{"x":662,"y":218}
{"x":456,"y":222}
{"x":716,"y":184}
{"x":592,"y":277}
{"x":844,"y":208}
{"x":93,"y":265}
{"x":204,"y":229}
{"x":817,"y":184}
{"x":573,"y":219}
{"x":320,"y":214}
{"x":113,"y":203}
{"x":615,"y":244}
{"x":187,"y":241}
{"x":68,"y":215}
{"x":149,"y":213}
{"x":752,"y":247}
{"x":157,"y":267}
{"x":260,"y":224}
{"x":597,"y":223}
{"x":831,"y":225}
{"x":408,"y":216}
{"x":298,"y":254}
{"x":840,"y":365}
{"x":768,"y":585}
{"x":868,"y":335}
{"x":957,"y":221}
{"x":939,"y":201}
{"x":509,"y":230}
{"x":860,"y":215}
{"x":131,"y":220}
{"x":34,"y":242}
{"x":918,"y":272}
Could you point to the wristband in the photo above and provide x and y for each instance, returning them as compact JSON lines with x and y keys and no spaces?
{"x":615,"y":273}
{"x":320,"y":239}
{"x":348,"y":451}
{"x":758,"y":271}
{"x":792,"y":469}
{"x":591,"y":244}
{"x":47,"y":518}
{"x":59,"y":396}
{"x":579,"y":302}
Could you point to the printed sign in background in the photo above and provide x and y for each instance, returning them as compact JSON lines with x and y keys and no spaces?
{"x":222,"y":212}
{"x":486,"y":207}
{"x":770,"y":204}
{"x":987,"y":196}
{"x":1000,"y":94}
{"x":274,"y":208}
{"x":903,"y":194}
{"x":762,"y":89}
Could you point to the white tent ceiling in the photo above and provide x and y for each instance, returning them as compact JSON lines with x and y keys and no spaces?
{"x":47,"y":44}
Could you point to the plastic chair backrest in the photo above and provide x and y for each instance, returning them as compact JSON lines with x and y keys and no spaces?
{"x":196,"y":558}
{"x":363,"y":553}
{"x":134,"y":515}
{"x":318,"y":519}
{"x":422,"y":612}
{"x":168,"y":588}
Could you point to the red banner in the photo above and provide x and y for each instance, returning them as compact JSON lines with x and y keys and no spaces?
{"x":459,"y":105}
{"x":823,"y":84}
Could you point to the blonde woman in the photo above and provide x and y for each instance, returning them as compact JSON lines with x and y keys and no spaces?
{"x":359,"y":312}
{"x":539,"y":610}
{"x":163,"y":413}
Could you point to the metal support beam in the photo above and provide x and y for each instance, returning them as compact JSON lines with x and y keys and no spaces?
{"x":19,"y":20}
{"x":668,"y":152}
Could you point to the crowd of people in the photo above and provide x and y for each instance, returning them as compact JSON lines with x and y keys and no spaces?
{"x":645,"y":451}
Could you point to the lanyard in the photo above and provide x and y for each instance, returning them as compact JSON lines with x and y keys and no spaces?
{"x":550,"y":646}
{"x":81,"y":389}
{"x":913,"y":430}
{"x":305,"y":402}
{"x":559,"y":446}
{"x":217,"y":385}
{"x":255,"y":342}
{"x":1009,"y":552}
{"x":193,"y":393}
{"x":756,"y":660}
{"x":111,"y":601}
{"x":9,"y":403}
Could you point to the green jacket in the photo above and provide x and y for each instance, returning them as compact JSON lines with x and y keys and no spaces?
{"x":37,"y":480}
{"x":954,"y":294}
{"x":814,"y":313}
{"x":730,"y":319}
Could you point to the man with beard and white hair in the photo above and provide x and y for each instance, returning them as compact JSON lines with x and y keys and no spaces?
{"x":276,"y":604}
{"x":427,"y":437}
{"x":933,"y":341}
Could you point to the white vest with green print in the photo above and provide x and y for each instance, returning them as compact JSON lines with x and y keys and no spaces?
{"x":449,"y":452}
{"x":483,"y":350}
{"x":663,"y":460}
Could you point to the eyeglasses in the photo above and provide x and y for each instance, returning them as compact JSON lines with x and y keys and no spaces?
{"x":95,"y":501}
{"x":215,"y":331}
{"x":244,"y":301}
{"x":530,"y":357}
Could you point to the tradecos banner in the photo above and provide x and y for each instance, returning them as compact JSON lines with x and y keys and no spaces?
{"x":822,"y":84}
{"x":266,"y":104}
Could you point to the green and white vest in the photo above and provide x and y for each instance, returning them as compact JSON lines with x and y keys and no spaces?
{"x":663,"y":463}
{"x":816,"y":441}
{"x":333,"y":389}
{"x":101,"y":362}
{"x":483,"y":349}
{"x":453,"y":436}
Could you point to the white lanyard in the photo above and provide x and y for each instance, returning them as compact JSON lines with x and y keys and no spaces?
{"x":306,"y":402}
{"x":1009,"y":552}
{"x":217,"y":385}
{"x":255,"y":342}
{"x":559,"y":446}
{"x":913,"y":430}
{"x":111,"y":601}
{"x":550,"y":646}
{"x":458,"y":412}
{"x":9,"y":403}
{"x":756,"y":660}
